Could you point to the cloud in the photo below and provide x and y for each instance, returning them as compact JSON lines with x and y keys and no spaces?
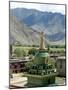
{"x":41,"y":7}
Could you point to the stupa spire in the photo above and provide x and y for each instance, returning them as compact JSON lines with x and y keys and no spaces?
{"x":42,"y":43}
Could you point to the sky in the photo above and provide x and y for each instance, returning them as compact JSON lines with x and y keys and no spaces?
{"x":42,"y":7}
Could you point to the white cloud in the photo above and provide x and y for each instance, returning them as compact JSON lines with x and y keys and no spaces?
{"x":42,"y":7}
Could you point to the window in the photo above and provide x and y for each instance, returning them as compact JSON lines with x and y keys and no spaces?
{"x":60,"y":64}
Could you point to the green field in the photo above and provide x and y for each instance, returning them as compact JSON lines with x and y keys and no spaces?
{"x":26,"y":49}
{"x":57,"y":49}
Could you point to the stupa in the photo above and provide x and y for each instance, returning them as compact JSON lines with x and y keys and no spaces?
{"x":40,"y":73}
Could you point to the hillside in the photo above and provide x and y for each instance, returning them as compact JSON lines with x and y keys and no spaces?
{"x":21,"y":33}
{"x":46,"y":21}
{"x":28,"y":22}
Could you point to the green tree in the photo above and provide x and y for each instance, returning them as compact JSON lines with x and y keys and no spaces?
{"x":32,"y":51}
{"x":19,"y":52}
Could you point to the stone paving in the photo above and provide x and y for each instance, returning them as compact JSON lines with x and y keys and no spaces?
{"x":18,"y":80}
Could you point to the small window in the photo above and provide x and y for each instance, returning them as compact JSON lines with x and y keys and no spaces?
{"x":60,"y":64}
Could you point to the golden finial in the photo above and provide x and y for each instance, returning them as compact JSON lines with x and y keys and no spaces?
{"x":42,"y":43}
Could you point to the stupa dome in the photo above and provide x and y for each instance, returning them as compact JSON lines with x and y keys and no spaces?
{"x":42,"y":54}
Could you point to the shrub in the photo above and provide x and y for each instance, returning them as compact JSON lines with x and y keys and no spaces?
{"x":52,"y":62}
{"x":29,"y":65}
{"x":32,"y":51}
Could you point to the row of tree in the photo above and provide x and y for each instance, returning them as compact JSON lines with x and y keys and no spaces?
{"x":22,"y":53}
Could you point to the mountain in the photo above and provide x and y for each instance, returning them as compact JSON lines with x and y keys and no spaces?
{"x":53,"y":24}
{"x":21,"y":33}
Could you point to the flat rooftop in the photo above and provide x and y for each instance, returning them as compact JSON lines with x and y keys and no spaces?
{"x":18,"y":60}
{"x":61,"y":57}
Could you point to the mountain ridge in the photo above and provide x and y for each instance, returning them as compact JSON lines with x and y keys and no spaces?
{"x":52,"y":24}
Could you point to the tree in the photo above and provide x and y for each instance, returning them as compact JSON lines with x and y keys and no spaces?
{"x":19,"y":52}
{"x":32,"y":51}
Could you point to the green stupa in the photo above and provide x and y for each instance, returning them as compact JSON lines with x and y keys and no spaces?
{"x":40,"y":73}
